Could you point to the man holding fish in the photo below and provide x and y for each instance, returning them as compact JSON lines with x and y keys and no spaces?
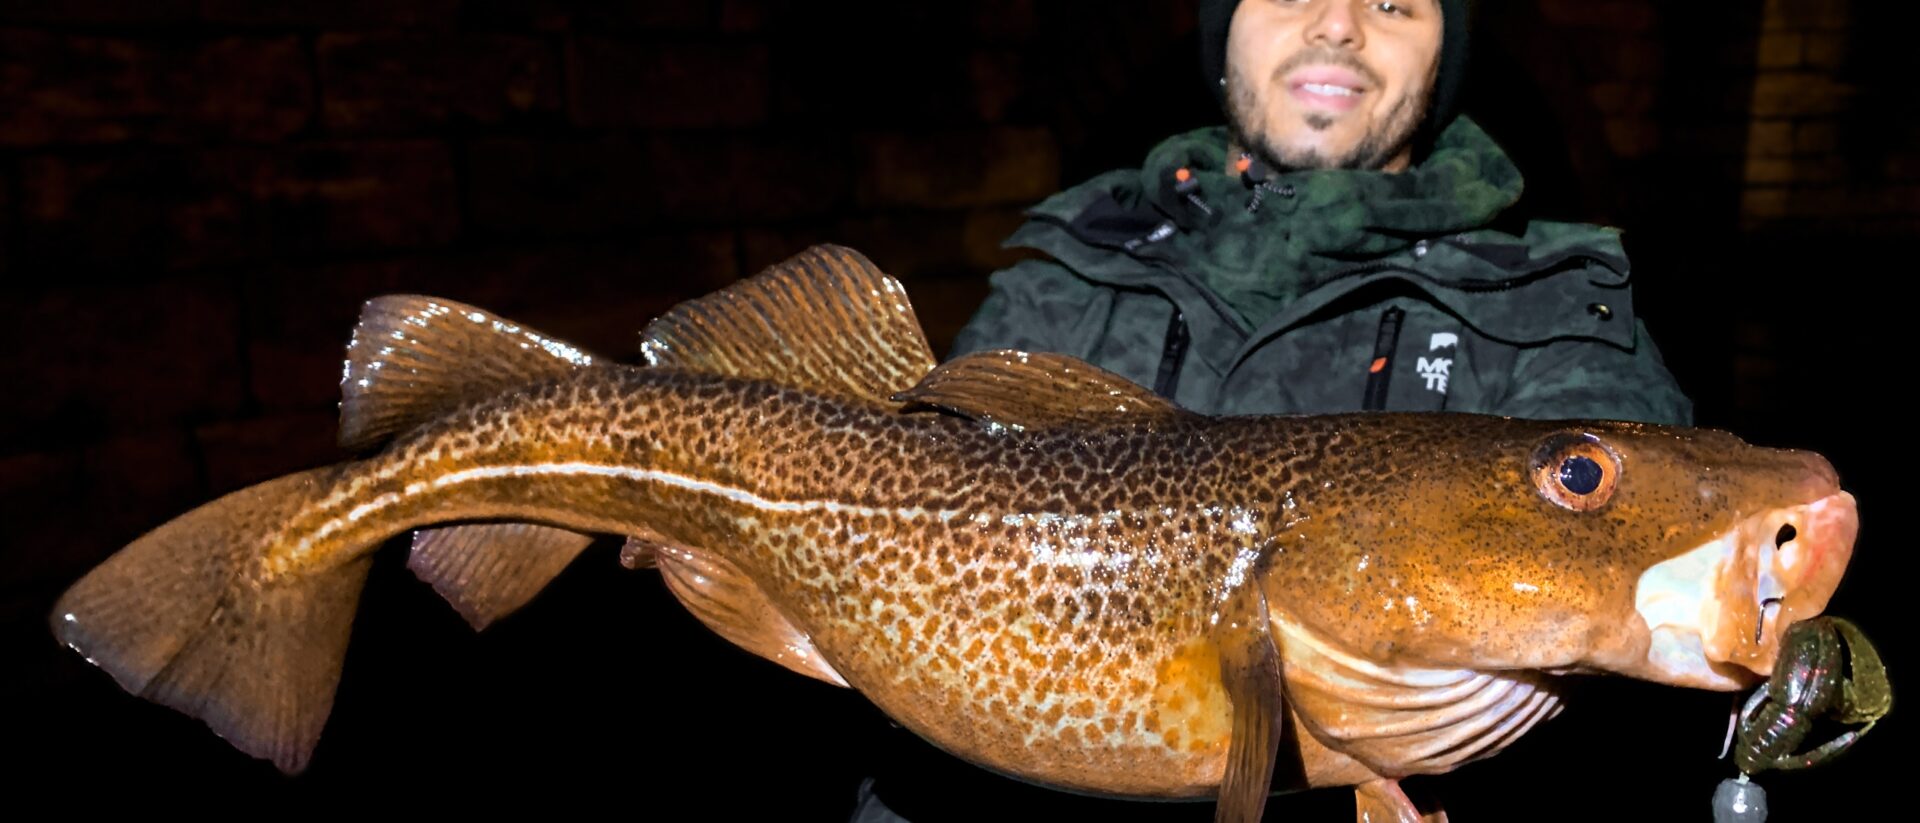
{"x":1046,"y":568}
{"x":1326,"y":250}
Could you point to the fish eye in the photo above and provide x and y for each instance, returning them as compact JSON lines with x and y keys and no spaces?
{"x":1580,"y":474}
{"x":1575,"y":471}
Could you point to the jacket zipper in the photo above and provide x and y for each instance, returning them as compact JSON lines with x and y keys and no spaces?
{"x":1380,"y":369}
{"x":1172,"y":355}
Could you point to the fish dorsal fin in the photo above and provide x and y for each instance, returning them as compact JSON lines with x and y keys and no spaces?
{"x":826,"y":320}
{"x":1034,"y":390}
{"x":413,"y":358}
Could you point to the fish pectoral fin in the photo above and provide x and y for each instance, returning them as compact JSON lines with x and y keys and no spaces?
{"x":826,"y":320}
{"x":1250,"y":671}
{"x":489,"y":570}
{"x":413,"y":358}
{"x":729,"y":601}
{"x":1034,"y":389}
{"x":1383,"y":801}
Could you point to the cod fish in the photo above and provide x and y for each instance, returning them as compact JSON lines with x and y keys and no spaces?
{"x":1032,"y":563}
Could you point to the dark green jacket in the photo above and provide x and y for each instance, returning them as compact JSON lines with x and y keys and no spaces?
{"x":1331,"y":290}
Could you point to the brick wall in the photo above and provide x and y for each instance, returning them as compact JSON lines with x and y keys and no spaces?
{"x":1834,"y":144}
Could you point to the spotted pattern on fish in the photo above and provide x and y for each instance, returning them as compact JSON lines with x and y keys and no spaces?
{"x":1057,"y":596}
{"x":1030,"y":562}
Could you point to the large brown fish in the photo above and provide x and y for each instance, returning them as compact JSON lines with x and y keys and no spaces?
{"x":1032,"y":563}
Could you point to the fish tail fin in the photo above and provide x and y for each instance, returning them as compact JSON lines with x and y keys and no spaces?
{"x":189,"y":616}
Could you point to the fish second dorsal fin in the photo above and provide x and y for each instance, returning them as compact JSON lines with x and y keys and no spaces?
{"x":1034,"y":390}
{"x":826,"y":320}
{"x":413,"y":358}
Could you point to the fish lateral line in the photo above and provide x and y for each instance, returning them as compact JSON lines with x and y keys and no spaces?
{"x":690,"y":483}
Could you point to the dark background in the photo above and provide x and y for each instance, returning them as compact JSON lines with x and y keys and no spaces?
{"x":195,"y":195}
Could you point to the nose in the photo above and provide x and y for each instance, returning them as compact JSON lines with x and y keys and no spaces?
{"x":1334,"y":24}
{"x":1788,"y":565}
{"x":1821,"y":480}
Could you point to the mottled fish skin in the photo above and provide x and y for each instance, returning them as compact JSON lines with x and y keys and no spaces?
{"x":1040,"y":600}
{"x":1045,"y":593}
{"x":1030,"y":562}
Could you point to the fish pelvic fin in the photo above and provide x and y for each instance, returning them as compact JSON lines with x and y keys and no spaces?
{"x":187,"y":616}
{"x":1035,"y":390}
{"x":1250,"y":672}
{"x":827,"y":320}
{"x":413,"y":358}
{"x":489,"y":570}
{"x":1383,"y":801}
{"x":733,"y":605}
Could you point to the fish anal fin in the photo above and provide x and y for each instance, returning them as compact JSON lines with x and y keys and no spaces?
{"x":1383,"y":801}
{"x":1250,"y":671}
{"x":1034,"y":390}
{"x":413,"y":358}
{"x":825,"y":320}
{"x":734,"y":606}
{"x":489,"y":570}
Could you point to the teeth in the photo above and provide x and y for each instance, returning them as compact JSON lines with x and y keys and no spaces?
{"x":1322,"y":88}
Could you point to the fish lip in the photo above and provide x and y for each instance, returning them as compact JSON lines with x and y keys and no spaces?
{"x":1707,"y":609}
{"x":1800,"y":574}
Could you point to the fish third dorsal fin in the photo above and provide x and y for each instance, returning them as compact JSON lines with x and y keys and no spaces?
{"x":826,"y":319}
{"x":1034,"y":389}
{"x":415,"y":357}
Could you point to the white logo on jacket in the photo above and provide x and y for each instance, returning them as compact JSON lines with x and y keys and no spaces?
{"x":1436,"y":370}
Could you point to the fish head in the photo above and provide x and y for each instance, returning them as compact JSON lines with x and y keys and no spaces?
{"x":1773,"y":538}
{"x":1668,"y":554}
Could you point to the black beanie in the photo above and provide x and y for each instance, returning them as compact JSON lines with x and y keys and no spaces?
{"x":1215,"y":15}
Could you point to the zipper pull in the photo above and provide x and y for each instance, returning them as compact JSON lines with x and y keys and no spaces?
{"x":1186,"y":184}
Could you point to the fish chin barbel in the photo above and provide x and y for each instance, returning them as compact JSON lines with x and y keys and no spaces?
{"x":1034,"y":563}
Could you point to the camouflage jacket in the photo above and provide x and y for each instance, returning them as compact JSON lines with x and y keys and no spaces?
{"x":1331,"y":290}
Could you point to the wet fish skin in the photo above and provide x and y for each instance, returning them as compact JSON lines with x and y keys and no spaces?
{"x":1014,"y":556}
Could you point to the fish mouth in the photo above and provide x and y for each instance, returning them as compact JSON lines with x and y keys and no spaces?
{"x":1717,"y":612}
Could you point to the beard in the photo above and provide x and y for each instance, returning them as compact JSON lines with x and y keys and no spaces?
{"x":1385,"y":139}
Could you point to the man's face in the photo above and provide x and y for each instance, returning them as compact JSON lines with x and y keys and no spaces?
{"x":1331,"y":83}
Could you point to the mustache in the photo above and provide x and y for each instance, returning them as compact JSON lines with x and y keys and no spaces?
{"x":1325,"y":56}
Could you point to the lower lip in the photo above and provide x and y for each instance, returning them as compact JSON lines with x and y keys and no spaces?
{"x":1336,"y":102}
